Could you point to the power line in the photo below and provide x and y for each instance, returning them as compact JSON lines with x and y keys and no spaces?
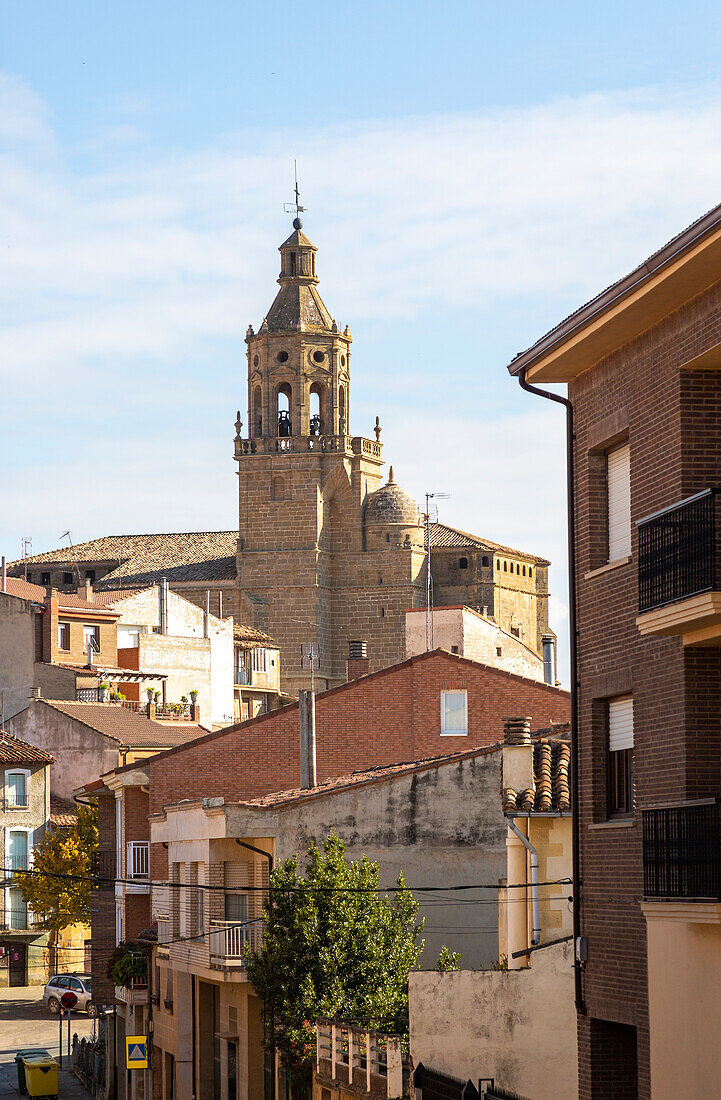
{"x":159,"y":883}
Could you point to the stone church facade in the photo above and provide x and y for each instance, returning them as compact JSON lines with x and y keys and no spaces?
{"x":326,"y":553}
{"x":327,"y":550}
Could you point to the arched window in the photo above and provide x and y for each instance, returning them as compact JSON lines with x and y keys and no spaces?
{"x":518,"y":569}
{"x":292,"y":263}
{"x":524,"y":570}
{"x":285,"y":396}
{"x":258,"y":410}
{"x":498,"y":563}
{"x":315,"y":406}
{"x":341,"y":410}
{"x":530,"y":571}
{"x":505,"y":567}
{"x":278,"y":488}
{"x":463,"y":563}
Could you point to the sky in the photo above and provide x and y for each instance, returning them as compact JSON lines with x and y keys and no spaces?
{"x":472,"y":173}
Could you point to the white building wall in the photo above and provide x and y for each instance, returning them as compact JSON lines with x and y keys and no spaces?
{"x":464,"y":631}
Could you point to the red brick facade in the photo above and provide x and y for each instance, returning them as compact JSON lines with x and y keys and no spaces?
{"x":670,"y":417}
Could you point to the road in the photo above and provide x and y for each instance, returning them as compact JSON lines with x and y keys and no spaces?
{"x":26,"y":1022}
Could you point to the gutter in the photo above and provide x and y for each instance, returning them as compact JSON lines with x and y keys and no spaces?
{"x":536,"y":932}
{"x":573,"y":653}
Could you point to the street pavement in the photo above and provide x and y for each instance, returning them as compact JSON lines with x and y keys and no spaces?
{"x":26,"y":1022}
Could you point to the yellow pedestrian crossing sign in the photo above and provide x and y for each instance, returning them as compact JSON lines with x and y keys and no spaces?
{"x":136,"y":1051}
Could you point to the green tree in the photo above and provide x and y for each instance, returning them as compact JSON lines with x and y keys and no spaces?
{"x":58,"y":901}
{"x":333,"y":945}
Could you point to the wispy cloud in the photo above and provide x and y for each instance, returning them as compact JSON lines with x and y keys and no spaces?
{"x":130,"y":273}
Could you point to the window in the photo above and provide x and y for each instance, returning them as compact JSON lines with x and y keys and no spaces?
{"x":90,"y":576}
{"x":518,"y":569}
{"x":277,"y":488}
{"x":259,"y":660}
{"x":524,"y":570}
{"x":530,"y":571}
{"x":620,"y":756}
{"x":454,"y":649}
{"x":498,"y":564}
{"x":18,"y":849}
{"x":45,"y":578}
{"x":484,"y":561}
{"x":463,"y":563}
{"x":236,"y":908}
{"x":64,"y":636}
{"x":499,"y":651}
{"x":505,"y":567}
{"x":618,"y":481}
{"x":91,"y":637}
{"x":16,"y":783}
{"x":67,"y":578}
{"x":454,"y":712}
{"x":292,"y":263}
{"x":516,"y":631}
{"x":388,"y":538}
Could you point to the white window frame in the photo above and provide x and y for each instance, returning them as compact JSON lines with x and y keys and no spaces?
{"x":91,"y":629}
{"x":28,"y":830}
{"x":260,"y":659}
{"x":17,"y":771}
{"x":454,"y":733}
{"x":63,"y":626}
{"x":618,"y":500}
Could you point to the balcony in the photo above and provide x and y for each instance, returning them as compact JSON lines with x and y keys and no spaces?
{"x":228,"y":942}
{"x":137,"y":866}
{"x":134,"y":994}
{"x":681,"y":853}
{"x":678,"y":550}
{"x":18,"y":918}
{"x":368,"y":1061}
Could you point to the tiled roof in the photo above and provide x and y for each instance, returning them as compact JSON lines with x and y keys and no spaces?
{"x":15,"y":751}
{"x":248,"y":635}
{"x":198,"y":556}
{"x":110,"y":596}
{"x":449,"y":538}
{"x":552,"y":794}
{"x":24,"y":590}
{"x":367,"y":775}
{"x":126,"y":726}
{"x":63,"y":812}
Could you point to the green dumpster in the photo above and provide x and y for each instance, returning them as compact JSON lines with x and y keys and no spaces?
{"x":27,"y":1052}
{"x":41,"y":1076}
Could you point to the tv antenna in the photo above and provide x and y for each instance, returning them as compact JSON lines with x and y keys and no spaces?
{"x":295,"y":207}
{"x":429,"y":609}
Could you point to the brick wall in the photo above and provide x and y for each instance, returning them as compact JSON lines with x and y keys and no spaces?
{"x":670,"y":418}
{"x":392,"y":716}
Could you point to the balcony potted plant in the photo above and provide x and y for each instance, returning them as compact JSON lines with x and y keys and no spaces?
{"x":128,"y":965}
{"x":194,"y":696}
{"x":103,"y":691}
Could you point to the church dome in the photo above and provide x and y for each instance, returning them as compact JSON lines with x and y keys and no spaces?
{"x":391,"y":505}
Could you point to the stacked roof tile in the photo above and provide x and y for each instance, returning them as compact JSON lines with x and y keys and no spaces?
{"x":551,"y":792}
{"x":15,"y":751}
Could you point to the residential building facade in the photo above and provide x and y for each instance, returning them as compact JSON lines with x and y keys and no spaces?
{"x":642,"y":366}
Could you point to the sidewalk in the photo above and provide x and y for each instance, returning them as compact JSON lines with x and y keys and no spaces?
{"x":26,"y":1022}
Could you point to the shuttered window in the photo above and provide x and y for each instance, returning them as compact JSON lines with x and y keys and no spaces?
{"x":620,"y":723}
{"x":618,"y":475}
{"x":620,"y":756}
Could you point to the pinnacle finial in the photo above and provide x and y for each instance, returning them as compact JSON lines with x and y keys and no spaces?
{"x":391,"y":478}
{"x":377,"y":429}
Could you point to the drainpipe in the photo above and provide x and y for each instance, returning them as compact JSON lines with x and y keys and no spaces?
{"x":573,"y":653}
{"x":536,"y":932}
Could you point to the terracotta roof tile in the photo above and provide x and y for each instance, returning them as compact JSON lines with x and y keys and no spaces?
{"x":249,"y":635}
{"x":15,"y":751}
{"x":63,"y":812}
{"x":142,"y":560}
{"x":551,"y":792}
{"x":449,"y":538}
{"x":24,"y":590}
{"x":126,"y":726}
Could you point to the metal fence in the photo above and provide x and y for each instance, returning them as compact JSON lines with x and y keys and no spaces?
{"x":681,"y":855}
{"x":677,"y":551}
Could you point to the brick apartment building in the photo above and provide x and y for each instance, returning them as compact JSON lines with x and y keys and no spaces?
{"x":428,"y":706}
{"x":642,"y":362}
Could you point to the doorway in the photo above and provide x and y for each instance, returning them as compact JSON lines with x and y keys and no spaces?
{"x":17,"y":964}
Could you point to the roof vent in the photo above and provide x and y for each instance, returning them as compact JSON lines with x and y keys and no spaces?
{"x":517,"y":731}
{"x":357,"y":650}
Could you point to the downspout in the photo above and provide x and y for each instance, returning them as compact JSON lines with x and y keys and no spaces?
{"x":536,"y":932}
{"x":573,"y":654}
{"x":268,"y":856}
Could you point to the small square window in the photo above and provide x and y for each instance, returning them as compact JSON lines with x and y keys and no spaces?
{"x":67,"y":578}
{"x":45,"y":578}
{"x":454,"y":713}
{"x":90,"y":576}
{"x":454,"y":649}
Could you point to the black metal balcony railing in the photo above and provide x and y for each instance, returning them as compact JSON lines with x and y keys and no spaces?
{"x":681,"y":853}
{"x":677,"y":551}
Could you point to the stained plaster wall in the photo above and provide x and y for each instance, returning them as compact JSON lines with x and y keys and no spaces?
{"x":519,"y":1026}
{"x":17,"y":648}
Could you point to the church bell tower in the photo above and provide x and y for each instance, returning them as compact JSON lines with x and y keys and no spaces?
{"x":302,"y":478}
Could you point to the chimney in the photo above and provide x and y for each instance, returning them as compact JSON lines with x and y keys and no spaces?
{"x":517,"y":757}
{"x":5,"y":575}
{"x":163,"y":598}
{"x":548,"y":643}
{"x":85,"y":591}
{"x":36,"y":693}
{"x":306,"y":714}
{"x":357,"y":662}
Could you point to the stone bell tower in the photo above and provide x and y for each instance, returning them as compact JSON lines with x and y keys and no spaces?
{"x":302,"y":478}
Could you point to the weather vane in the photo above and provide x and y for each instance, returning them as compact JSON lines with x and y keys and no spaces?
{"x":295,"y":207}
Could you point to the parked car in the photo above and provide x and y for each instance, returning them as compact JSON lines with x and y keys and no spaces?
{"x":79,"y":984}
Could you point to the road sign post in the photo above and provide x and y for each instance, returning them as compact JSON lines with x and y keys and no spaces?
{"x":68,"y":1001}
